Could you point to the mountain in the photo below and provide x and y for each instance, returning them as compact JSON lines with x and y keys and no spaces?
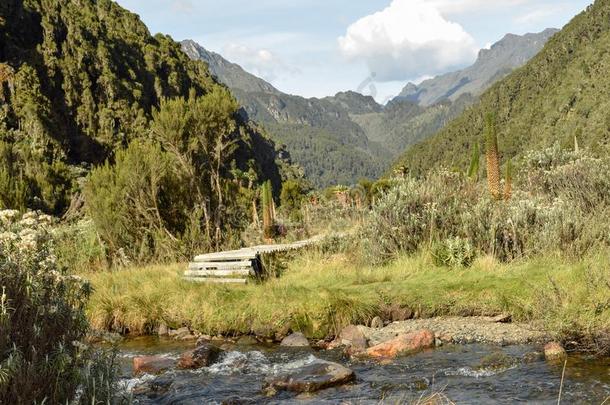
{"x":560,"y":95}
{"x":340,"y":139}
{"x":492,"y":64}
{"x":79,"y":80}
{"x":319,"y":133}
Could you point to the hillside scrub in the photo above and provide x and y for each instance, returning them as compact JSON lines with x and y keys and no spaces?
{"x":559,"y":204}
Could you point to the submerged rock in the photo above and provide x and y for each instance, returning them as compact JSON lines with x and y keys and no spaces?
{"x":203,"y":356}
{"x":554,"y":351}
{"x":496,"y":361}
{"x":403,"y":344}
{"x":151,"y":364}
{"x":247,"y":341}
{"x":182,"y":334}
{"x":313,"y":377}
{"x":295,"y":340}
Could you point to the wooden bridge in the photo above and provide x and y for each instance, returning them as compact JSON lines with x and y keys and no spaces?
{"x":237,"y":266}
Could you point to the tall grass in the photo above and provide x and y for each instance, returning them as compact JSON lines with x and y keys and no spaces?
{"x":320,"y":294}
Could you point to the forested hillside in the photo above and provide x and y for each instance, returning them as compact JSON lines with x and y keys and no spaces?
{"x":561,"y":96}
{"x":343,"y":138}
{"x":319,"y":133}
{"x":80,"y":81}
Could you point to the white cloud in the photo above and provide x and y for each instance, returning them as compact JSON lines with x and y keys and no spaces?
{"x":537,"y":15}
{"x":408,"y":39}
{"x":260,"y":62}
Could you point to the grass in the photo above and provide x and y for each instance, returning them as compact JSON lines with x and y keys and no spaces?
{"x":319,"y":294}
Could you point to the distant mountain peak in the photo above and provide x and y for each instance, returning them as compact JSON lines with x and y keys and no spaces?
{"x":231,"y":74}
{"x":492,"y":64}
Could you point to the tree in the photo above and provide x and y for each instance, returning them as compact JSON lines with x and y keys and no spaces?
{"x":291,"y":199}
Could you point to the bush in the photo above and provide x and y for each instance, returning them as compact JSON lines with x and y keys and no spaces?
{"x":453,"y":252}
{"x":562,"y":207}
{"x":42,"y":317}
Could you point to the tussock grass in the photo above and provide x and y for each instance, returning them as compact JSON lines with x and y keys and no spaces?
{"x":319,"y":294}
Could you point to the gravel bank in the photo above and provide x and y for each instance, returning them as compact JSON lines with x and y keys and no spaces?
{"x":460,"y":330}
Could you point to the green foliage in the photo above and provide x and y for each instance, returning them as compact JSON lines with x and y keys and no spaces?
{"x":560,"y":93}
{"x":475,"y":163}
{"x":79,"y":81}
{"x":559,"y":212}
{"x":291,"y":199}
{"x":492,"y":155}
{"x":42,"y":319}
{"x":453,"y":252}
{"x":269,"y":225}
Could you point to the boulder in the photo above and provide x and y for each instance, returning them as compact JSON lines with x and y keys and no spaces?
{"x":377,"y":323}
{"x":396,"y":313}
{"x":403,"y":344}
{"x":247,"y":341}
{"x":182,"y":334}
{"x":151,"y":364}
{"x":203,"y":356}
{"x":554,"y":351}
{"x":313,"y":377}
{"x":352,"y":337}
{"x":295,"y":340}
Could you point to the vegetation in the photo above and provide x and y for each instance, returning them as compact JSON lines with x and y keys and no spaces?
{"x":42,"y":321}
{"x":555,"y":97}
{"x":319,"y":294}
{"x":81,"y":81}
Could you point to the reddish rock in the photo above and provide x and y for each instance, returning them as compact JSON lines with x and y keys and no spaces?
{"x":554,"y":351}
{"x":203,"y":356}
{"x":151,"y":364}
{"x":403,"y":344}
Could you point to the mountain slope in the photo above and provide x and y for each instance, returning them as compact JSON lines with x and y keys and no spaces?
{"x":340,"y":139}
{"x":560,"y":94}
{"x":319,"y":133}
{"x":492,"y":64}
{"x":79,"y":81}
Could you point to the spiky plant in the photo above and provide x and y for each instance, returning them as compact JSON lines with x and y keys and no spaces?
{"x":475,"y":163}
{"x":493,"y":157}
{"x":508,"y":181}
{"x":268,"y":211}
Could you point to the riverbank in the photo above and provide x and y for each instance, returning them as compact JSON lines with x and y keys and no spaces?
{"x":319,"y":295}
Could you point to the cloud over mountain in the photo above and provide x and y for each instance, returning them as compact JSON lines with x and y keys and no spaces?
{"x":408,"y":39}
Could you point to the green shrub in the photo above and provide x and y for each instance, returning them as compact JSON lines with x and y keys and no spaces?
{"x":560,"y":204}
{"x":42,"y":317}
{"x":453,"y":252}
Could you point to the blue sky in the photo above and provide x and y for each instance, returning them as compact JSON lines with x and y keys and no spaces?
{"x":316,"y":48}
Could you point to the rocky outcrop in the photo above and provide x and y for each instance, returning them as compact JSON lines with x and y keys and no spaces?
{"x":313,"y":377}
{"x":203,"y":356}
{"x":406,"y":343}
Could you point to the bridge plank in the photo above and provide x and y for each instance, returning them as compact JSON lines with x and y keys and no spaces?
{"x":219,"y":273}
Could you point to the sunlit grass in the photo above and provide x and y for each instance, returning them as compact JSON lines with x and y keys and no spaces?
{"x":320,"y":294}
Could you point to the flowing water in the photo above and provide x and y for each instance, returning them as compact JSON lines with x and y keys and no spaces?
{"x":453,"y":371}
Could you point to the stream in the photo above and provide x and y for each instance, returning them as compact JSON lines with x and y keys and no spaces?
{"x":454,"y":371}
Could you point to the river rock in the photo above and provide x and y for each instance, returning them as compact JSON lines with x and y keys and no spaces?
{"x":353,"y":338}
{"x":403,"y":344}
{"x":163,"y":330}
{"x":247,"y":341}
{"x":502,"y":318}
{"x":377,"y":323}
{"x":554,"y":351}
{"x":313,"y":377}
{"x":151,"y":364}
{"x":182,"y":334}
{"x":295,"y":340}
{"x":203,"y":356}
